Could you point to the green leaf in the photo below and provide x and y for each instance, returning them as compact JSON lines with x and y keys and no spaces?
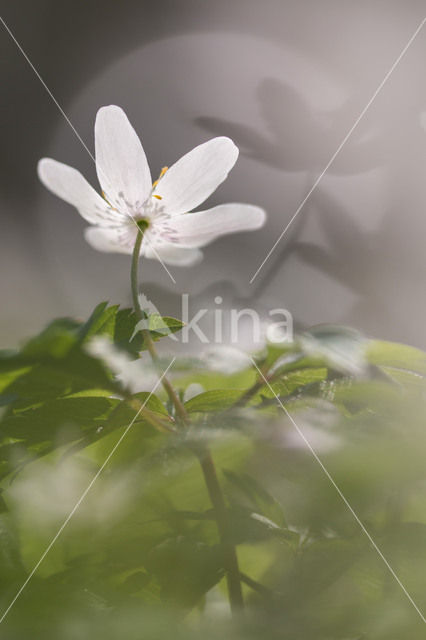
{"x":163,"y":325}
{"x":158,"y":326}
{"x":247,"y":527}
{"x":101,"y":321}
{"x":124,"y":329}
{"x":115,"y":323}
{"x":294,"y":381}
{"x":37,"y":430}
{"x":125,"y":411}
{"x":41,"y":423}
{"x":59,"y":337}
{"x":124,"y":335}
{"x":186,"y":569}
{"x":247,"y":491}
{"x":8,"y":377}
{"x":390,"y":355}
{"x":320,"y":565}
{"x":151,"y":401}
{"x":217,"y":400}
{"x":12,"y":570}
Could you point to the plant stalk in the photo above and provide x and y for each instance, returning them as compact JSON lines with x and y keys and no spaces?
{"x":203,"y":454}
{"x":148,"y":341}
{"x":230,"y":559}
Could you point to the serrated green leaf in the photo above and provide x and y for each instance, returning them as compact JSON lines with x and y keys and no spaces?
{"x":126,"y":410}
{"x":43,"y":423}
{"x":121,"y":326}
{"x":124,"y":332}
{"x":216,"y":400}
{"x":101,"y":321}
{"x":158,"y":326}
{"x":164,"y":325}
{"x":290,"y":382}
{"x":151,"y":401}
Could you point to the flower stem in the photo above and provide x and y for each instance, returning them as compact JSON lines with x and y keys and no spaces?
{"x":148,"y":341}
{"x":134,"y":276}
{"x":203,"y":454}
{"x":230,"y":559}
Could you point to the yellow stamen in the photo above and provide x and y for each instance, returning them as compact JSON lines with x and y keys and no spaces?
{"x":163,"y":171}
{"x":107,"y":201}
{"x":158,"y":197}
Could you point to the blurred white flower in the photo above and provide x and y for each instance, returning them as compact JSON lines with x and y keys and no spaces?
{"x":342,"y":348}
{"x":318,"y":424}
{"x":253,"y":340}
{"x":192,"y":390}
{"x":134,"y":375}
{"x":225,"y":359}
{"x":161,"y":209}
{"x":46,"y":492}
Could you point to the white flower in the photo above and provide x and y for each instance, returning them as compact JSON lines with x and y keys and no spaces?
{"x":134,"y":375}
{"x":342,"y":348}
{"x":192,"y":390}
{"x":318,"y":423}
{"x":129,"y":196}
{"x":226,"y":359}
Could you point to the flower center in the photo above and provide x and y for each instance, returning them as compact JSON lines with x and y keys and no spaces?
{"x":143,"y":224}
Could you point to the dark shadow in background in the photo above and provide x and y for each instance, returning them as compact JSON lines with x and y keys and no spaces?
{"x":71,"y":42}
{"x":300,"y":140}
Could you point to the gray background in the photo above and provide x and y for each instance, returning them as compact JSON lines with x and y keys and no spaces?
{"x":286,"y":80}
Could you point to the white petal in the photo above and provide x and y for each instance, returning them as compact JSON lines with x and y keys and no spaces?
{"x":226,"y":359}
{"x":199,"y":228}
{"x":343,"y":348}
{"x":134,"y":375}
{"x":192,"y":390}
{"x":172,"y":254}
{"x":68,"y":183}
{"x":121,"y":163}
{"x":196,"y":175}
{"x":120,"y":240}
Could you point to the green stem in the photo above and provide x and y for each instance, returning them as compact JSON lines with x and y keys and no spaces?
{"x":134,"y":276}
{"x":148,"y":341}
{"x":203,"y":454}
{"x":230,"y":558}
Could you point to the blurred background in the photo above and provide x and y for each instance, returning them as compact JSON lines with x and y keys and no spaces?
{"x":286,"y":80}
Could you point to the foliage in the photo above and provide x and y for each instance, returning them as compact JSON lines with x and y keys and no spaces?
{"x":142,"y":555}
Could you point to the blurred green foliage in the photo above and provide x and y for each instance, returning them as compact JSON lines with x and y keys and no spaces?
{"x":141,"y":556}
